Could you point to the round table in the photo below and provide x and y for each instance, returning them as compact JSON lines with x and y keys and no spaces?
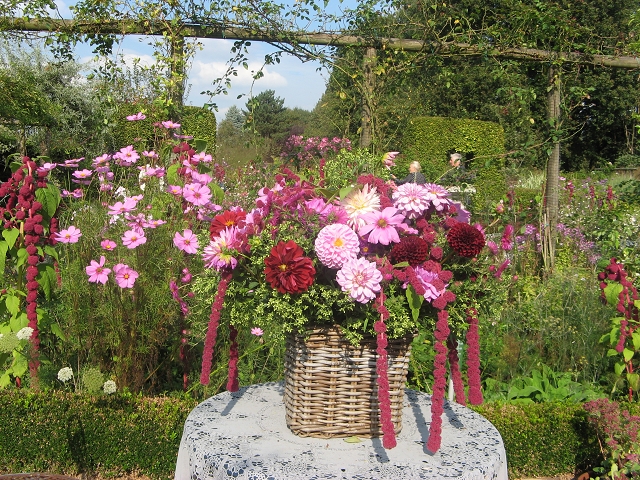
{"x":244,"y":435}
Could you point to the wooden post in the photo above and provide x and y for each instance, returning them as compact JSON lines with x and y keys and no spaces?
{"x":369,"y":84}
{"x":550,"y":215}
{"x":177,"y":75}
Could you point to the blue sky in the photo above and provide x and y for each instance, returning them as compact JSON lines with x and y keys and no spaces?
{"x":298,"y":83}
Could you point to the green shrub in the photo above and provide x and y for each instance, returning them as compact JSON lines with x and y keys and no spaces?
{"x":430,"y":140}
{"x":111,"y":436}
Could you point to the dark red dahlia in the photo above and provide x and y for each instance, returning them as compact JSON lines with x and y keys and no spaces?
{"x":412,"y":249}
{"x":287,"y":269}
{"x":466,"y":240}
{"x":230,"y":218}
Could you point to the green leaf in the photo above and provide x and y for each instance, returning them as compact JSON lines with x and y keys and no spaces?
{"x":636,"y":340}
{"x":415,"y":302}
{"x":22,"y":257}
{"x":352,"y":440}
{"x":46,"y":278}
{"x":627,"y":354}
{"x":11,"y":235}
{"x":13,"y":304}
{"x":218,"y":193}
{"x":51,"y":251}
{"x":172,"y":174}
{"x":49,"y":197}
{"x":20,"y":365}
{"x":611,"y":352}
{"x":200,"y":145}
{"x":634,"y":380}
{"x":611,"y":293}
{"x":618,"y":368}
{"x":5,"y":380}
{"x":344,"y":191}
{"x":57,"y":331}
{"x":4,"y":247}
{"x":18,"y":322}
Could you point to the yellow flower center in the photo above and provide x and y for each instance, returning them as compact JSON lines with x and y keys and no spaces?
{"x":382,"y":223}
{"x":282,"y":267}
{"x":338,"y":242}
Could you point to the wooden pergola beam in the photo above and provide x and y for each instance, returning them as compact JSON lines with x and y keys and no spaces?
{"x":218,"y":31}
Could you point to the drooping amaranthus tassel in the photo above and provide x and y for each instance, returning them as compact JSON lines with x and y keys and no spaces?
{"x":212,"y":329}
{"x":439,"y":381}
{"x":454,"y":366}
{"x":384,"y":400}
{"x":473,"y":358}
{"x":232,"y":381}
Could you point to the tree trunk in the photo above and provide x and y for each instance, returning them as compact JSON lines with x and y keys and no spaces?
{"x":550,"y":220}
{"x":369,"y":84}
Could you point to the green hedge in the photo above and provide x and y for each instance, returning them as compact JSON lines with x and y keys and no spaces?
{"x":112,"y":436}
{"x":195,"y":121}
{"x":430,"y":140}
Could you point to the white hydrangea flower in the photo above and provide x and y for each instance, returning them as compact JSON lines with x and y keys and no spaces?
{"x":24,"y":333}
{"x":109,"y":387}
{"x":65,"y":374}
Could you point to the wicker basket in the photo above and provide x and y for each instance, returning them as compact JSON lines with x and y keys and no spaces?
{"x":330,"y":385}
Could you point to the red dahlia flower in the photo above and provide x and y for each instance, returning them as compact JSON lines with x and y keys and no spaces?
{"x":466,"y":240}
{"x":228,"y":219}
{"x":287,"y":269}
{"x":412,"y":249}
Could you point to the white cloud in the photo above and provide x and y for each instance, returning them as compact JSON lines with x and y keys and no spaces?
{"x":202,"y":72}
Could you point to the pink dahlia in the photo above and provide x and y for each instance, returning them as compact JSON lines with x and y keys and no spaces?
{"x":359,"y":202}
{"x":433,"y":285}
{"x":219,"y":253}
{"x":412,"y":199}
{"x":381,"y":226}
{"x":360,"y":279}
{"x":438,"y":196}
{"x":335,"y":244}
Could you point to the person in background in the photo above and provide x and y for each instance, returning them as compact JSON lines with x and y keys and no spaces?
{"x":415,"y":175}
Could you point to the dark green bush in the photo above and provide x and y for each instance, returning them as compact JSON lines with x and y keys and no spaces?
{"x":110,"y":436}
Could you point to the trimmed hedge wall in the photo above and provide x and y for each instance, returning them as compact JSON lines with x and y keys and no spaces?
{"x":60,"y":432}
{"x":430,"y":140}
{"x":195,"y":121}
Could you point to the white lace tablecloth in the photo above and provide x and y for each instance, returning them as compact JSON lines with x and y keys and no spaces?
{"x":244,"y":435}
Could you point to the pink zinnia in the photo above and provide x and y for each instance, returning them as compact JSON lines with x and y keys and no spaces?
{"x":97,"y":271}
{"x":125,"y":275}
{"x":335,"y":244}
{"x":187,"y":242}
{"x":108,"y":244}
{"x":70,"y":235}
{"x":411,"y":198}
{"x":133,"y":238}
{"x":196,"y":194}
{"x":360,"y":279}
{"x":381,"y":226}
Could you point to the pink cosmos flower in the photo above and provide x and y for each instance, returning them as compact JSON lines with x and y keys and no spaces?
{"x":107,"y":244}
{"x":201,"y":178}
{"x":196,"y":193}
{"x":411,"y":198}
{"x":219,"y":253}
{"x":257,"y":331}
{"x":132,"y":238}
{"x":336,"y":244}
{"x":174,"y":190}
{"x":169,"y":124}
{"x":137,"y":116}
{"x":101,"y":160}
{"x":126,"y":156}
{"x":97,"y":271}
{"x":201,"y":157}
{"x":360,"y":279}
{"x":85,"y":173}
{"x":70,"y":235}
{"x":187,"y":242}
{"x":150,"y":154}
{"x":381,"y":226}
{"x":120,"y":207}
{"x":125,"y":275}
{"x":46,"y":167}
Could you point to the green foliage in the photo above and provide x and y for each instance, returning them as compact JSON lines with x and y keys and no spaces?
{"x":429,"y":140}
{"x":627,"y":161}
{"x":92,"y":379}
{"x":109,"y":436}
{"x":344,"y":168}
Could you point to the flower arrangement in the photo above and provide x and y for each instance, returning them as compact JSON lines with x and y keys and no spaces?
{"x":374,"y":258}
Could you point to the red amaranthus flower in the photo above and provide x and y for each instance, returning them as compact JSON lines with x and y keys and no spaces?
{"x":287,"y":269}
{"x":466,"y":240}
{"x":412,"y":249}
{"x":230,"y":218}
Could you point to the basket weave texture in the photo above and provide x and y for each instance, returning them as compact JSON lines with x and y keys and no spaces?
{"x":330,"y":385}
